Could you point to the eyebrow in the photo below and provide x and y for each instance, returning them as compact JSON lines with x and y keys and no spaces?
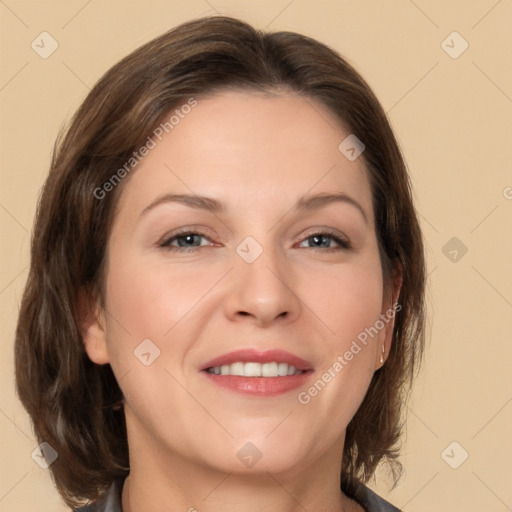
{"x":312,"y":202}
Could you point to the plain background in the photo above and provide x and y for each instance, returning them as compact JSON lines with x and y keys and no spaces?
{"x":453,"y":119}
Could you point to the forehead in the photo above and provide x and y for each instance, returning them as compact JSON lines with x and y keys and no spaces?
{"x":249,"y":149}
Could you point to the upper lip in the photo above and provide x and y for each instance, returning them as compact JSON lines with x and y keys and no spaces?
{"x":250,"y":355}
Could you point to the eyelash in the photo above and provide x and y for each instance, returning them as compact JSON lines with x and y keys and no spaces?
{"x":343,"y":244}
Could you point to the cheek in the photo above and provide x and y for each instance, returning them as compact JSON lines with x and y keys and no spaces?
{"x":145,"y":309}
{"x":150,"y":301}
{"x":154,"y":314}
{"x":346,"y":300}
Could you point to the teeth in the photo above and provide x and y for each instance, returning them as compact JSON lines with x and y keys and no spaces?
{"x":252,"y":370}
{"x":273,"y":369}
{"x":282,"y":369}
{"x":269,"y":370}
{"x":236,"y":369}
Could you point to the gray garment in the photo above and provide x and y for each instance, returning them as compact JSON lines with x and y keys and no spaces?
{"x":111,"y":500}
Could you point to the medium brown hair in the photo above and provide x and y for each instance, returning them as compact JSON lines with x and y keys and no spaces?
{"x":71,"y":400}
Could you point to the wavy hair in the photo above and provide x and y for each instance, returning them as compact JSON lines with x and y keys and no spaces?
{"x":74,"y":404}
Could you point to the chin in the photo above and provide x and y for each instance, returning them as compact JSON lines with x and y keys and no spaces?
{"x":259,"y":454}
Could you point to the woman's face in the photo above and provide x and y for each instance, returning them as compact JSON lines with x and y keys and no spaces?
{"x":267,"y":265}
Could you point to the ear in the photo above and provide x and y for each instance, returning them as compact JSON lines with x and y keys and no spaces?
{"x":92,"y":324}
{"x":390,"y":307}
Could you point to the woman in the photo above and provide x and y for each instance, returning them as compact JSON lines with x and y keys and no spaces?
{"x":225,"y":302}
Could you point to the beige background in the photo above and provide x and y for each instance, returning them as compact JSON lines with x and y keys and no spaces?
{"x":453,"y":118}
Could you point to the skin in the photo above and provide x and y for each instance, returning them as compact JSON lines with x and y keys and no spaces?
{"x":258,"y":154}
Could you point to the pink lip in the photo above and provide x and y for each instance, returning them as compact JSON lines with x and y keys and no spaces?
{"x":259,"y":386}
{"x":250,"y":355}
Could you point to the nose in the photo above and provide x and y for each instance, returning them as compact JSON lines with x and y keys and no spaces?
{"x":263,"y":290}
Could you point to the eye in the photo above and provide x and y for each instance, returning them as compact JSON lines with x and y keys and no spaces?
{"x":187,"y":241}
{"x":320,"y":239}
{"x":190,"y":241}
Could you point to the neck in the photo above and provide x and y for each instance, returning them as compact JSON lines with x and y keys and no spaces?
{"x":229,"y":493}
{"x":160,"y":480}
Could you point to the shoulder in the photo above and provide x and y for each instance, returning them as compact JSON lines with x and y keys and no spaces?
{"x":109,"y":502}
{"x":369,"y":500}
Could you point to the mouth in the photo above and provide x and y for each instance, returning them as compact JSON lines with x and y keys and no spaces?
{"x":251,"y":372}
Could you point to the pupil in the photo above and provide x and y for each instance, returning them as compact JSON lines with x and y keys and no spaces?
{"x":317,"y":238}
{"x":188,"y":238}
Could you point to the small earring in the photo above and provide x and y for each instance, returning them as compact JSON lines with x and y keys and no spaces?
{"x":382,"y":355}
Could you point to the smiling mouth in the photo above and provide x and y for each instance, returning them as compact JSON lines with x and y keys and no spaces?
{"x":257,"y":373}
{"x":253,"y":369}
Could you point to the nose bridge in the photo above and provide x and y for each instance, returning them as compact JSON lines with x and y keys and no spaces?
{"x":262,"y":287}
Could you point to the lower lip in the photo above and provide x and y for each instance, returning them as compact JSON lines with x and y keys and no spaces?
{"x":259,"y":386}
